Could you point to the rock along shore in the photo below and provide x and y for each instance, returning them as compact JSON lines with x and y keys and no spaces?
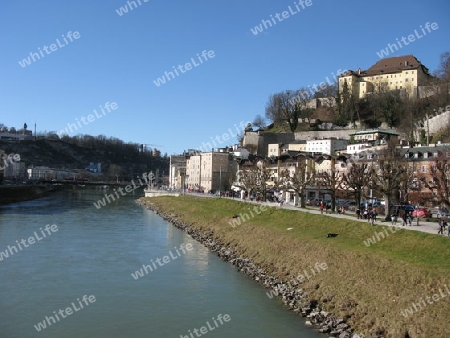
{"x":292,"y":296}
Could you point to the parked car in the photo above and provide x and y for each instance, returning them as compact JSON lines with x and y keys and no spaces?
{"x":443,"y":212}
{"x":399,"y":208}
{"x":422,"y":212}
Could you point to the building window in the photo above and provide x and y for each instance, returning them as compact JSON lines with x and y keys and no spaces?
{"x":424,"y":168}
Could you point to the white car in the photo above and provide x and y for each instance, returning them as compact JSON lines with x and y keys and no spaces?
{"x":442,"y":212}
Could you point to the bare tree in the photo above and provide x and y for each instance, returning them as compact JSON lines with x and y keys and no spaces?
{"x":328,"y":91}
{"x":332,"y":180}
{"x":356,"y":179}
{"x":299,"y":179}
{"x":387,"y":173}
{"x":443,"y":71}
{"x":255,"y":179}
{"x":438,"y":181}
{"x":280,"y":109}
{"x":259,"y":121}
{"x":302,"y":102}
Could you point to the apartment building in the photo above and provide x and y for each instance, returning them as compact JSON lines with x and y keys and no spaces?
{"x":371,"y":140}
{"x":326,"y":146}
{"x":177,"y":171}
{"x":420,"y":160}
{"x":210,"y":170}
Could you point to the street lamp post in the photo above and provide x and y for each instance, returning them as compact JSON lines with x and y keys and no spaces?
{"x":220,"y":182}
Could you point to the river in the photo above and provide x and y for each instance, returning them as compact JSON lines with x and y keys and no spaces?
{"x":74,"y":275}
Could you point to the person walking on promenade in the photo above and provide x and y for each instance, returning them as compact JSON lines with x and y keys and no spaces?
{"x":358,"y":213}
{"x":321,"y":206}
{"x":394,"y":218}
{"x":280,"y":201}
{"x":442,"y":224}
{"x":409,"y":218}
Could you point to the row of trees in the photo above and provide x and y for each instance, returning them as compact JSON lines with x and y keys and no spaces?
{"x":389,"y":175}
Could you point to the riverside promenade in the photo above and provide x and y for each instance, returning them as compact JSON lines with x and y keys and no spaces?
{"x":424,"y":226}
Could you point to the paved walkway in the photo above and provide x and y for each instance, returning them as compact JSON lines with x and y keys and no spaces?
{"x":424,"y":226}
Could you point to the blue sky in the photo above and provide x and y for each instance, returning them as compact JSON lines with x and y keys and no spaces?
{"x":118,"y":58}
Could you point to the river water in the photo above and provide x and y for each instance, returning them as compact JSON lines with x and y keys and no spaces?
{"x":85,"y":251}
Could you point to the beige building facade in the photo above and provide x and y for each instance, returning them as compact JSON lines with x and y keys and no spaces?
{"x":177,"y":171}
{"x":403,"y":73}
{"x":210,"y":171}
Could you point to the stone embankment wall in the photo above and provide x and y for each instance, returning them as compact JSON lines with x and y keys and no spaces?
{"x":292,"y":295}
{"x":14,"y":194}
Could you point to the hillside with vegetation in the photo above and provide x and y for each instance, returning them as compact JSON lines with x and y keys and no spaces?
{"x":118,"y":159}
{"x":393,"y":109}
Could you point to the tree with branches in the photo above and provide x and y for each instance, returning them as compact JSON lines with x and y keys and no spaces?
{"x":298,"y":180}
{"x":280,"y":109}
{"x":386,"y":175}
{"x":255,"y":178}
{"x":356,"y":179}
{"x":438,"y":181}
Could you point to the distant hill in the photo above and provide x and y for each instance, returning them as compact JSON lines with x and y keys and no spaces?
{"x":116,"y":157}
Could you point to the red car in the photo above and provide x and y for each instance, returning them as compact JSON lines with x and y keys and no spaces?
{"x":422,"y":212}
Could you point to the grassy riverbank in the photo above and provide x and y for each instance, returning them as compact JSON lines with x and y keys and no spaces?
{"x":373,"y":284}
